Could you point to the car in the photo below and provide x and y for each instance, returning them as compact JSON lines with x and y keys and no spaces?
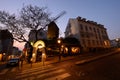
{"x":13,"y":62}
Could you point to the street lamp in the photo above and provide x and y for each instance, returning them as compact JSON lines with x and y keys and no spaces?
{"x":59,"y":43}
{"x":117,"y":40}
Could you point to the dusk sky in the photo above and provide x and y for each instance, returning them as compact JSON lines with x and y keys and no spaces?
{"x":105,"y":12}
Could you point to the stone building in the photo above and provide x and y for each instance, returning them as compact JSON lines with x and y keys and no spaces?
{"x":92,"y":36}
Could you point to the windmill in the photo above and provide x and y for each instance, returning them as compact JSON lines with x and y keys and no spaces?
{"x":39,"y":35}
{"x":53,"y":29}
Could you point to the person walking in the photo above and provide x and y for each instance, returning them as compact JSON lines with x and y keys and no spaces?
{"x":43,"y":58}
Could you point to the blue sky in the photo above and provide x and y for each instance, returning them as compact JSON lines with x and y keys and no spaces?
{"x":105,"y":12}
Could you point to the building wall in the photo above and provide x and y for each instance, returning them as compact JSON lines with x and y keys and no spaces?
{"x":6,"y":44}
{"x":0,"y":46}
{"x":6,"y":41}
{"x":72,"y":29}
{"x":41,"y":34}
{"x":115,"y":42}
{"x":89,"y":33}
{"x":32,"y":36}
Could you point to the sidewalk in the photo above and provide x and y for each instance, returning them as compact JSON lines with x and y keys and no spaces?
{"x":84,"y":58}
{"x":2,"y":65}
{"x":95,"y":57}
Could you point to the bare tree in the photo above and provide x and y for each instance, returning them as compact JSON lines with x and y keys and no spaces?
{"x":12,"y":23}
{"x":31,"y":17}
{"x":34,"y":17}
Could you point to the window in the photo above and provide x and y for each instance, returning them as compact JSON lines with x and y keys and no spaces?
{"x":94,"y":29}
{"x":90,"y":28}
{"x":81,"y":27}
{"x":83,"y":42}
{"x":87,"y":35}
{"x":75,"y":49}
{"x":98,"y":31}
{"x":97,"y":43}
{"x":89,"y":43}
{"x":86,"y":28}
{"x":93,"y":42}
{"x":82,"y":35}
{"x":102,"y":31}
{"x":96,"y":37}
{"x":105,"y":32}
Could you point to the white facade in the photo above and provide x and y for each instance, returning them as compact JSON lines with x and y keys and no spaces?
{"x":89,"y":33}
{"x":72,"y":29}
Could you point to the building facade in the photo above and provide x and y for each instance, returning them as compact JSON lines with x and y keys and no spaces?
{"x":35,"y":35}
{"x":92,"y":36}
{"x":115,"y":43}
{"x":6,"y":42}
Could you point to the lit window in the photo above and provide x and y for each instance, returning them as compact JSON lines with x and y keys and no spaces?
{"x":105,"y":43}
{"x":66,"y":50}
{"x":75,"y":50}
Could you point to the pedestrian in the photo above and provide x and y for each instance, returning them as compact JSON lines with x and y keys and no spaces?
{"x":59,"y":57}
{"x":43,"y":58}
{"x":31,"y":62}
{"x":21,"y":63}
{"x":21,"y":60}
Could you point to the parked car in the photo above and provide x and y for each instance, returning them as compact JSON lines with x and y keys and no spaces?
{"x":13,"y":62}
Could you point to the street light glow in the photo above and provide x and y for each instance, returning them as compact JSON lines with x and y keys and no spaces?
{"x":117,"y":39}
{"x":59,"y":41}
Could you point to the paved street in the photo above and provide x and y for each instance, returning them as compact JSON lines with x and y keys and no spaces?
{"x":67,"y":69}
{"x":106,"y":68}
{"x":43,"y":73}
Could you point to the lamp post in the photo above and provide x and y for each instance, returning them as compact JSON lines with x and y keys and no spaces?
{"x":59,"y":43}
{"x":117,"y":40}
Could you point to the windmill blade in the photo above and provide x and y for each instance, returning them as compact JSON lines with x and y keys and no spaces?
{"x":59,"y":15}
{"x":56,"y":18}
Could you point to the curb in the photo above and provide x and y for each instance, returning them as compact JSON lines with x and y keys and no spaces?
{"x":94,"y":58}
{"x":85,"y":60}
